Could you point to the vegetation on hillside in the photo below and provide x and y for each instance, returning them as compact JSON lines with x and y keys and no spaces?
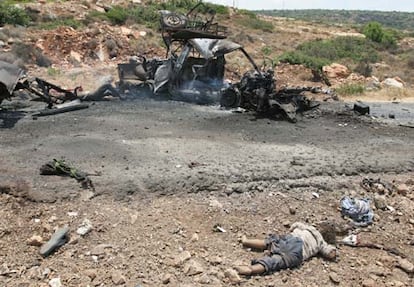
{"x":149,"y":15}
{"x":318,"y":53}
{"x":395,"y":20}
{"x":10,"y":14}
{"x":374,"y":32}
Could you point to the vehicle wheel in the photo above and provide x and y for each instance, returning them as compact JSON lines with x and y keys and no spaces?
{"x":173,"y":20}
{"x":230,"y":98}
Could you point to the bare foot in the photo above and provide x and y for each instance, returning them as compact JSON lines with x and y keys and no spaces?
{"x":243,"y":239}
{"x":243,"y":270}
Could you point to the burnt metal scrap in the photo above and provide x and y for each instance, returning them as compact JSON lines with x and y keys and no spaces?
{"x":13,"y":78}
{"x":58,"y":100}
{"x":194,"y":70}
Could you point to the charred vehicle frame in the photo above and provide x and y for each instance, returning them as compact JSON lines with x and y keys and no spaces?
{"x":195,"y":66}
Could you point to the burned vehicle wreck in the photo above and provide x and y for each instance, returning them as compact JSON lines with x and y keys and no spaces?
{"x":195,"y":66}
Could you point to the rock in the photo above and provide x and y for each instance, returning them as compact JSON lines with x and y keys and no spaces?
{"x":117,"y":278}
{"x":100,"y":249}
{"x":167,"y":278}
{"x":373,"y":83}
{"x":286,"y":223}
{"x":55,"y":282}
{"x":180,"y":259}
{"x":87,"y":195}
{"x":395,"y":283}
{"x":292,"y":210}
{"x":336,"y":71}
{"x":193,"y":267}
{"x":126,"y":31}
{"x":204,"y":279}
{"x":215,"y":204}
{"x":195,"y":237}
{"x":380,"y":202}
{"x":35,"y":240}
{"x":393,"y":83}
{"x":405,"y":265}
{"x":402,"y":189}
{"x":91,"y":273}
{"x":216,"y":260}
{"x":75,"y":57}
{"x":387,"y":260}
{"x":334,"y":278}
{"x":369,"y":283}
{"x":84,"y":228}
{"x":233,"y":276}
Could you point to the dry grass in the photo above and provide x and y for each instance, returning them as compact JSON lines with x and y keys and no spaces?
{"x":385,"y":94}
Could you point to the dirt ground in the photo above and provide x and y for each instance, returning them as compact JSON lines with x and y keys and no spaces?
{"x":169,"y":176}
{"x":166,"y":174}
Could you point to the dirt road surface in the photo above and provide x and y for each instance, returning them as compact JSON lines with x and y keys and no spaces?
{"x":167,"y":173}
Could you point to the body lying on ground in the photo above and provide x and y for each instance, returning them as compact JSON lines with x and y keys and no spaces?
{"x":287,"y":251}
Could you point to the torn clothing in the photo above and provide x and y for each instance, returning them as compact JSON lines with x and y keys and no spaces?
{"x":313,"y":242}
{"x":289,"y":251}
{"x":359,"y":210}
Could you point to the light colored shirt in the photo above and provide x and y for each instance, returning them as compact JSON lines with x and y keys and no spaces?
{"x":313,"y":242}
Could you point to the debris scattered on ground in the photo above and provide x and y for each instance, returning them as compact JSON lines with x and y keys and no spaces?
{"x":359,"y":210}
{"x":361,"y":108}
{"x":84,"y":228}
{"x":59,"y":238}
{"x":218,"y":228}
{"x":72,"y":106}
{"x":60,"y":167}
{"x":376,"y":186}
{"x":355,"y":240}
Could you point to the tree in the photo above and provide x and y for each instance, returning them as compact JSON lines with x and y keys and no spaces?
{"x":374,"y":32}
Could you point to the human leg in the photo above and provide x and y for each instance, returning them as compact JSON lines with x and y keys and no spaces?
{"x":255,"y":269}
{"x":259,"y":244}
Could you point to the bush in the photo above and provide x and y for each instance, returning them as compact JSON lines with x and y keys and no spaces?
{"x":350,"y":89}
{"x":255,"y":23}
{"x":10,"y":14}
{"x":318,"y":53}
{"x":364,"y":69}
{"x":149,"y":15}
{"x":118,"y":15}
{"x":50,"y":25}
{"x":300,"y":58}
{"x":374,"y":32}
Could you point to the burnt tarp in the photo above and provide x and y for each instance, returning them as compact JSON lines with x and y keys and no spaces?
{"x":9,"y":76}
{"x":210,"y":48}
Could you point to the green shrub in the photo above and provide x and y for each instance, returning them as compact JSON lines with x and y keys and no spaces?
{"x":10,"y":14}
{"x":149,"y":15}
{"x":300,"y":58}
{"x":350,"y":89}
{"x":375,"y":32}
{"x":50,"y":25}
{"x":318,"y":53}
{"x":255,"y":23}
{"x":354,"y":48}
{"x":266,"y":50}
{"x":118,"y":15}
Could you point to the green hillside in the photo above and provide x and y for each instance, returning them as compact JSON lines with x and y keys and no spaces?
{"x":395,"y":20}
